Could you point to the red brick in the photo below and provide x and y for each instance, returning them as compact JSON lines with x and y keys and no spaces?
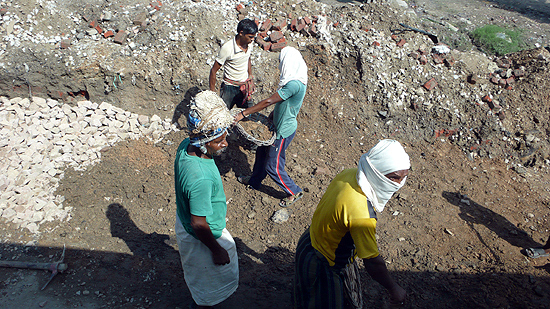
{"x":415,"y":55}
{"x":266,"y":25}
{"x":65,"y":43}
{"x":120,"y":37}
{"x":267,"y":46}
{"x":108,"y":34}
{"x":98,"y":28}
{"x":257,"y":21}
{"x":336,"y":24}
{"x":394,"y":37}
{"x":239,"y":7}
{"x":313,"y":30}
{"x":277,"y":46}
{"x":301,"y":25}
{"x":275,"y":36}
{"x":510,"y":80}
{"x":502,"y":82}
{"x":290,"y":15}
{"x":93,"y":23}
{"x":431,"y":84}
{"x":376,"y":43}
{"x":422,"y":51}
{"x":487,"y":99}
{"x":494,"y":80}
{"x":437,"y":58}
{"x":263,"y":34}
{"x":307,"y":20}
{"x":278,"y":25}
{"x":401,"y":42}
{"x":305,"y":31}
{"x":293,"y":24}
{"x":508,"y":87}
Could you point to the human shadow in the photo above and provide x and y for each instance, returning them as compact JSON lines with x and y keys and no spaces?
{"x":152,"y":245}
{"x":182,"y":109}
{"x":474,"y":213}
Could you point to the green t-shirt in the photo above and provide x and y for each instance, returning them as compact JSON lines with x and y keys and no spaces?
{"x":199,"y":191}
{"x":285,"y":112}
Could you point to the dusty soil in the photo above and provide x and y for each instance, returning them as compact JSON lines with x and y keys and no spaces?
{"x":452,"y":237}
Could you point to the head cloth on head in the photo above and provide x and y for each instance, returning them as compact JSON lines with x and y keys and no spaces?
{"x":208,"y":118}
{"x":386,"y":157}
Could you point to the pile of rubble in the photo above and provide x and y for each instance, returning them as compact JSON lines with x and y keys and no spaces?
{"x":40,"y":138}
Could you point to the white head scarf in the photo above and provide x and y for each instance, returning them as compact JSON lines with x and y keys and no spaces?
{"x":386,"y":157}
{"x":292,"y":66}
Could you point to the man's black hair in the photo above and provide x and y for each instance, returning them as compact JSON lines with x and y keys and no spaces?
{"x":247,"y":26}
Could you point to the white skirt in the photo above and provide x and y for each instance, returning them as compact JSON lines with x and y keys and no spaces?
{"x":210,"y":284}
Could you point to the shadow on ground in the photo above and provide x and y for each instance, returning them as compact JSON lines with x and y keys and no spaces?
{"x":151,"y":277}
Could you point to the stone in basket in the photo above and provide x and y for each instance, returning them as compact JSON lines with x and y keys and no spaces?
{"x":256,"y":128}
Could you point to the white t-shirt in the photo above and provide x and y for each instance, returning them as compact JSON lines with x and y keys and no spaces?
{"x":234,"y":61}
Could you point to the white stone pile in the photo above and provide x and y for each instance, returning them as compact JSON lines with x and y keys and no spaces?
{"x":39,"y":138}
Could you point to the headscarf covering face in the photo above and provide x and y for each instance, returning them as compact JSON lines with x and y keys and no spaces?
{"x":208,"y":118}
{"x":292,"y":66}
{"x":386,"y":157}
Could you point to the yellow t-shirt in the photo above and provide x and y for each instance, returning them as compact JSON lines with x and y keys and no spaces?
{"x":344,"y":225}
{"x":234,"y":61}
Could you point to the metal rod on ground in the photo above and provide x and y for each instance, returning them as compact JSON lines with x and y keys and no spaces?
{"x":55,"y":267}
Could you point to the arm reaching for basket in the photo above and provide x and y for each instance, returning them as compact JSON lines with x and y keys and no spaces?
{"x":273,"y":99}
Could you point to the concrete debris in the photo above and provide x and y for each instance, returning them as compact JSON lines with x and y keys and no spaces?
{"x":40,"y":138}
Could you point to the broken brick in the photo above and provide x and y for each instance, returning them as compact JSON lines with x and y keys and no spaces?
{"x":336,"y":24}
{"x":422,"y":51}
{"x":267,"y":46}
{"x":376,"y":43}
{"x":510,"y":80}
{"x":3,"y":11}
{"x":239,"y":7}
{"x":401,"y":42}
{"x":98,"y":29}
{"x":394,"y":37}
{"x":293,"y":24}
{"x":266,"y":25}
{"x":438,"y":59}
{"x":65,"y":43}
{"x":313,"y":30}
{"x":262,"y":34}
{"x":487,"y":99}
{"x":92,"y":23}
{"x":508,"y":87}
{"x":277,"y":46}
{"x":415,"y":55}
{"x":140,"y":18}
{"x":120,"y":37}
{"x":502,"y":82}
{"x":307,"y":20}
{"x":305,"y":31}
{"x":431,"y":84}
{"x":278,"y":25}
{"x":275,"y":36}
{"x":494,"y":80}
{"x":108,"y":34}
{"x":257,"y":21}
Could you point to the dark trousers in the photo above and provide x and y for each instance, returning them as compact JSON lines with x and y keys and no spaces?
{"x":233,"y":96}
{"x":270,"y":160}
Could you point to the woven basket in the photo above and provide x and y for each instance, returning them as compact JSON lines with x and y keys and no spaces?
{"x":257,"y":117}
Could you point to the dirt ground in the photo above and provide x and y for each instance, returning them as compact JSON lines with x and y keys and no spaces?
{"x":477,"y":193}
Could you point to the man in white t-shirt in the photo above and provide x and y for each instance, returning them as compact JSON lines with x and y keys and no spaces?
{"x":234,"y":56}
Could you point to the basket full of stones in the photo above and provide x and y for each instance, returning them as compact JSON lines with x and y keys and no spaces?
{"x":256,"y":128}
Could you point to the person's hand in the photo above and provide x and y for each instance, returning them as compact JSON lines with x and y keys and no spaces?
{"x":221,"y":257}
{"x":238,"y":118}
{"x":252,"y":87}
{"x":397,"y":296}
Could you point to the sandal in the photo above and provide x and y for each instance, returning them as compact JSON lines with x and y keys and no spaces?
{"x":536,"y":252}
{"x":286,"y":202}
